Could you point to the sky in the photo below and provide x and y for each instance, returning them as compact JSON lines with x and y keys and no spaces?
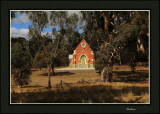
{"x":20,"y":24}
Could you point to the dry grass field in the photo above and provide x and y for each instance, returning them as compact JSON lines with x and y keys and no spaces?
{"x":84,"y":86}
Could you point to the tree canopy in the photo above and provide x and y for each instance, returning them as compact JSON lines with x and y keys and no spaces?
{"x":21,"y":62}
{"x":112,"y":32}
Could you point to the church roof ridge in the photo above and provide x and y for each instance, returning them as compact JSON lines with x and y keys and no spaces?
{"x":80,"y":43}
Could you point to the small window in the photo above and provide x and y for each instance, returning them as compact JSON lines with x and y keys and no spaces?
{"x":83,"y":44}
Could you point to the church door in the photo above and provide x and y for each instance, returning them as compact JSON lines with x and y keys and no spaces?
{"x":83,"y":61}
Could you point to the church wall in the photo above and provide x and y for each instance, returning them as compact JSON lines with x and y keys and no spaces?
{"x":79,"y":51}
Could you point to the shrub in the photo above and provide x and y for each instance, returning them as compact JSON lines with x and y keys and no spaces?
{"x":21,"y":62}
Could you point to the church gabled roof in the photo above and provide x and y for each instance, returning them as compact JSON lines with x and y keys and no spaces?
{"x":83,"y":40}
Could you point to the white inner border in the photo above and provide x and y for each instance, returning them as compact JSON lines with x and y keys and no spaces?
{"x":80,"y":10}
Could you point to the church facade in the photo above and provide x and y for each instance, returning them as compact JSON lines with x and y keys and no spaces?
{"x":83,"y":56}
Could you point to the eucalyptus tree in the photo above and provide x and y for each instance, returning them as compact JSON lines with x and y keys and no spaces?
{"x":97,"y":32}
{"x":39,"y":23}
{"x":72,"y":32}
{"x":110,"y":32}
{"x":64,"y":30}
{"x":133,"y":36}
{"x":61,"y":23}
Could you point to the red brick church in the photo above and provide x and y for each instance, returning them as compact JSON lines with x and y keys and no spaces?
{"x":83,"y":56}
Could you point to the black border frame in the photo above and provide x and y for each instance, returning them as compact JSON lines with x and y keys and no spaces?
{"x":6,"y":6}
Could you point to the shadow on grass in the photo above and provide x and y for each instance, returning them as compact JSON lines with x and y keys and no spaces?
{"x":128,"y":76}
{"x":27,"y":86}
{"x":33,"y":70}
{"x":85,"y":94}
{"x":58,"y":74}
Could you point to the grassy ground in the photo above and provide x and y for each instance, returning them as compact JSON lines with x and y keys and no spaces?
{"x":85,"y":87}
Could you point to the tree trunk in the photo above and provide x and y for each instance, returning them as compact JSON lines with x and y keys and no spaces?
{"x":120,"y":62}
{"x":106,"y":74}
{"x":21,"y":78}
{"x":133,"y":64}
{"x":118,"y":19}
{"x":49,"y":78}
{"x":106,"y":23}
{"x":105,"y":15}
{"x":53,"y":70}
{"x":103,"y":74}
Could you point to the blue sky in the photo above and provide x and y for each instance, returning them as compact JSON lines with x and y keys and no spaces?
{"x":20,"y":24}
{"x":26,"y":25}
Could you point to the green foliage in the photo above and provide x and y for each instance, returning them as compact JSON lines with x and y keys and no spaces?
{"x":94,"y":29}
{"x":73,"y":39}
{"x":21,"y":62}
{"x":127,"y":26}
{"x":39,"y":19}
{"x":58,"y":18}
{"x":99,"y":64}
{"x":61,"y":59}
{"x":67,"y":32}
{"x":103,"y":57}
{"x":128,"y":32}
{"x":141,"y":19}
{"x":39,"y":61}
{"x":21,"y":77}
{"x":34,"y":33}
{"x":125,"y":57}
{"x":63,"y":20}
{"x":19,"y":40}
{"x":39,"y":23}
{"x":20,"y":57}
{"x":35,"y":44}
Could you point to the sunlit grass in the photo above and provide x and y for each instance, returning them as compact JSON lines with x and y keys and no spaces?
{"x":127,"y":87}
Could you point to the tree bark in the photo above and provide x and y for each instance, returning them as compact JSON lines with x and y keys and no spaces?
{"x":106,"y":74}
{"x":49,"y":80}
{"x":105,"y":14}
{"x":118,"y":19}
{"x":20,"y":75}
{"x":53,"y":70}
{"x":120,"y":62}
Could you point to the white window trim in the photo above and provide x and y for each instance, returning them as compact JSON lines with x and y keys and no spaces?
{"x":84,"y":44}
